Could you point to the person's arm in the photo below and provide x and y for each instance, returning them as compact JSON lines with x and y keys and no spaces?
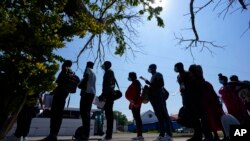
{"x":146,"y":81}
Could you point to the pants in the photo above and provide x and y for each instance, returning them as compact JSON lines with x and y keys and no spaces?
{"x":161,"y":112}
{"x":85,"y":111}
{"x":137,"y":117}
{"x":108,"y":109}
{"x":195,"y":112}
{"x":24,"y":120}
{"x":57,"y":108}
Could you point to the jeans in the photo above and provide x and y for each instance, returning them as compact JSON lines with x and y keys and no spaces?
{"x":108,"y":109}
{"x":161,"y":112}
{"x":85,"y":111}
{"x":57,"y":108}
{"x":137,"y":117}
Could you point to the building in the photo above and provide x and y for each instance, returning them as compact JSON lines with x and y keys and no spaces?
{"x":150,"y":122}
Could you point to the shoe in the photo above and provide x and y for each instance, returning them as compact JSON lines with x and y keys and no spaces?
{"x":12,"y":138}
{"x":50,"y":138}
{"x":168,"y":138}
{"x":138,"y":138}
{"x":160,"y":138}
{"x":24,"y":139}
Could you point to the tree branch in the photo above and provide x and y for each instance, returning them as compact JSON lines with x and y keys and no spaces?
{"x":191,"y":8}
{"x":242,"y":3}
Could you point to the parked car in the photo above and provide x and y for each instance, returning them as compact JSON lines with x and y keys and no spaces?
{"x":184,"y":130}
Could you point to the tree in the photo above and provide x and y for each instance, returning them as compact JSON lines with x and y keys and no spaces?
{"x":227,"y":6}
{"x":121,"y":118}
{"x":30,"y":32}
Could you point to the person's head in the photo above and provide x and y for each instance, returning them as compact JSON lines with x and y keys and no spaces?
{"x":90,"y":64}
{"x":152,"y":68}
{"x":106,"y":65}
{"x":192,"y":69}
{"x":132,"y":76}
{"x":222,"y":79}
{"x":199,"y":71}
{"x":178,"y":67}
{"x":66,"y":65}
{"x":234,"y":78}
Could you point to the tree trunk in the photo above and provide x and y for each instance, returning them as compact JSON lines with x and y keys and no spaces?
{"x":9,"y":110}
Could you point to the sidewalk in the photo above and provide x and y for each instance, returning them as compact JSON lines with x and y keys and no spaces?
{"x":116,"y":137}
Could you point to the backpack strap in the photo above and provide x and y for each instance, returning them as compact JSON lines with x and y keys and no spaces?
{"x":117,"y":84}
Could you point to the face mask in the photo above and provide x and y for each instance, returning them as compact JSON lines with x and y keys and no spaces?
{"x":103,"y":67}
{"x":149,"y":70}
{"x":129,"y":79}
{"x":175,"y":69}
{"x":222,"y":81}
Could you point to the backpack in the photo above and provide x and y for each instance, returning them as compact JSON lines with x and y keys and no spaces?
{"x":72,"y":82}
{"x":78,"y":133}
{"x":145,"y":94}
{"x":165,"y":93}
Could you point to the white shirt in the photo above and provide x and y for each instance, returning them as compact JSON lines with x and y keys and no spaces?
{"x":91,"y":81}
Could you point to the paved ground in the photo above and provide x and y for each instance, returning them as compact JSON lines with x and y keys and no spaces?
{"x":116,"y":137}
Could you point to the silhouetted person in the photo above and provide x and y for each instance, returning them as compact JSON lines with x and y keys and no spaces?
{"x":242,"y":89}
{"x":24,"y":118}
{"x":60,"y":94}
{"x":234,"y":104}
{"x":211,"y":107}
{"x":87,"y":96}
{"x":108,"y":86}
{"x":133,"y":95}
{"x":156,"y":85}
{"x":190,"y":99}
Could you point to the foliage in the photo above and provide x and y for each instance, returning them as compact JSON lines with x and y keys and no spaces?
{"x":30,"y":32}
{"x":121,"y":118}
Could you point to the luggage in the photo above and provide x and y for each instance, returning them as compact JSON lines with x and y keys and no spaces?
{"x":228,"y":120}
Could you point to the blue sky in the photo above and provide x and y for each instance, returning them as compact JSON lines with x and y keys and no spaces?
{"x":160,"y":47}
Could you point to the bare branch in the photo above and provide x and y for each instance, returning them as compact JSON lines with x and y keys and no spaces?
{"x":242,"y":3}
{"x":84,"y":48}
{"x":202,"y":7}
{"x":191,"y":43}
{"x":246,"y":29}
{"x":193,"y":19}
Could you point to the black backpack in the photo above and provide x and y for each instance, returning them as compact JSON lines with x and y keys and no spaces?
{"x":72,"y":82}
{"x":78,"y":133}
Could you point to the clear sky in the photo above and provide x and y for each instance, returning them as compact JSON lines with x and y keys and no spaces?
{"x":160,"y":47}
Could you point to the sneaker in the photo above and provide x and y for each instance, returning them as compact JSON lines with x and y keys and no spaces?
{"x":50,"y":138}
{"x":166,"y":138}
{"x":12,"y":138}
{"x":24,"y":139}
{"x":138,"y":138}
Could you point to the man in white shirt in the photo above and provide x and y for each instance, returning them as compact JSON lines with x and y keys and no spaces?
{"x":87,"y":96}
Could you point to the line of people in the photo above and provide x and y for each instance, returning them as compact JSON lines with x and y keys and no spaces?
{"x":202,"y":109}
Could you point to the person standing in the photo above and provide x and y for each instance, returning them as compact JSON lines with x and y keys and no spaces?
{"x":234,"y":104}
{"x":107,"y":95}
{"x":25,"y":116}
{"x":158,"y":102}
{"x":189,"y":94}
{"x":133,"y":95}
{"x":88,"y":91}
{"x":60,"y":94}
